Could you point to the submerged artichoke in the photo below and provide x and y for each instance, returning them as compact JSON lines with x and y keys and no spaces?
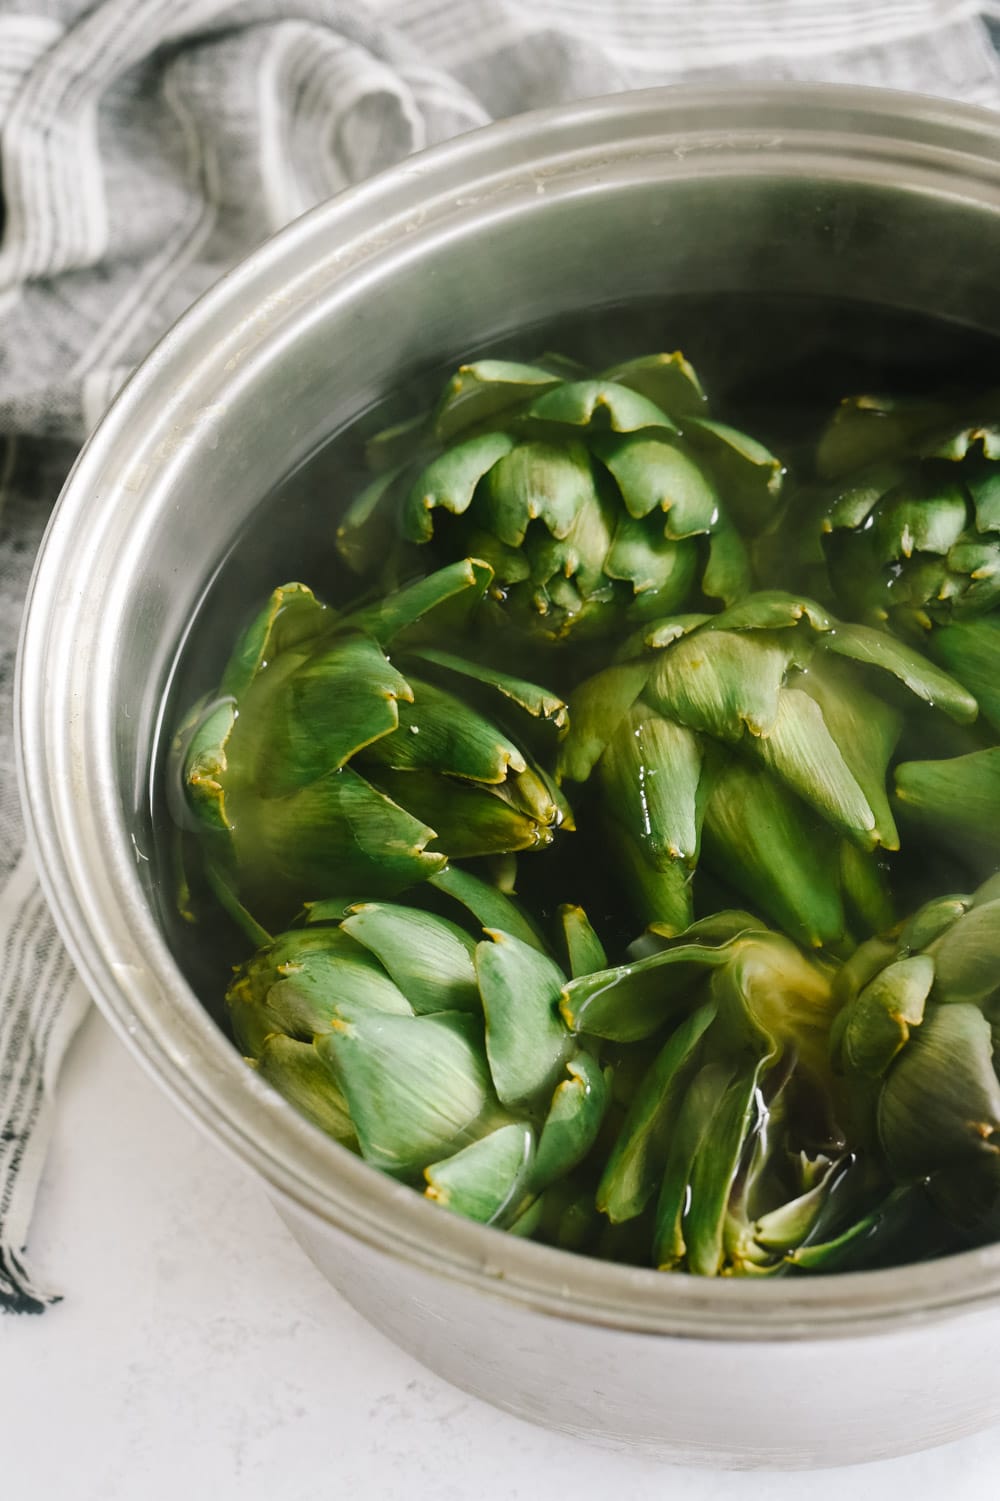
{"x":440,"y":1058}
{"x":321,"y":766}
{"x":731,"y":1156}
{"x":918,"y":1040}
{"x":912,"y":530}
{"x":587,"y":496}
{"x":754,"y":732}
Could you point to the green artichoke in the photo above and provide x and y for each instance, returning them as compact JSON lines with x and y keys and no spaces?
{"x":731,"y":1154}
{"x":911,"y":528}
{"x":917,"y":1038}
{"x":442,"y":1059}
{"x":753,"y":733}
{"x":597,"y":500}
{"x":320,"y":766}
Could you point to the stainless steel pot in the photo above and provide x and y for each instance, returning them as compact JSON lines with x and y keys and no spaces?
{"x":892,"y":199}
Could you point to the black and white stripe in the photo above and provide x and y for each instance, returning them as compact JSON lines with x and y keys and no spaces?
{"x":41,"y":1004}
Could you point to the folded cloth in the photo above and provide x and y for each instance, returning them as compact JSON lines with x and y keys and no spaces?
{"x":146,"y":145}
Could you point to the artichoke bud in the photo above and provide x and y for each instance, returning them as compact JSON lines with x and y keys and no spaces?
{"x":587,"y":496}
{"x":912,"y":532}
{"x":324,"y":766}
{"x":750,"y":739}
{"x":916,"y":1032}
{"x":739,"y":1011}
{"x":487,"y":1093}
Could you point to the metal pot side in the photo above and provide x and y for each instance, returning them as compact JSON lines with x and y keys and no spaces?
{"x":847,"y":192}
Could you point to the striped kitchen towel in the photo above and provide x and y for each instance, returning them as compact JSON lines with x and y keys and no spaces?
{"x":146,"y":145}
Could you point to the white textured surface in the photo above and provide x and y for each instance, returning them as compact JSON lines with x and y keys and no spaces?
{"x":199,"y":1354}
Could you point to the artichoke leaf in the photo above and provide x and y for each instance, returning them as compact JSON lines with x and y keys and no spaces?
{"x":417,"y":1087}
{"x":727,"y":575}
{"x":338,"y":832}
{"x":770,"y":610}
{"x":878,"y":1023}
{"x":721,"y":682}
{"x":718,"y":928}
{"x":865,"y":1234}
{"x":392,"y":446}
{"x":599,"y":403}
{"x":666,"y":379}
{"x":970,"y":651}
{"x":460,"y":585}
{"x":298,"y":982}
{"x":490,"y":907}
{"x":537,"y":481}
{"x":650,"y":776}
{"x":778,"y":855}
{"x":537,"y":702}
{"x":966,"y":957}
{"x":854,"y":501}
{"x":788,"y":1226}
{"x":657,"y":477}
{"x":874,"y":429}
{"x":643,"y":556}
{"x":661,"y":896}
{"x":575,"y":1115}
{"x":714,"y":1171}
{"x":595,"y":712}
{"x":481,"y":1181}
{"x":584,"y":950}
{"x":930,"y":921}
{"x":637,"y":1160}
{"x":629,"y":1002}
{"x":693,"y":1126}
{"x":866,"y":731}
{"x":983,"y":484}
{"x":873,"y":648}
{"x":466,"y":819}
{"x":527,"y":1043}
{"x":291,"y":620}
{"x":940,"y":1104}
{"x":428,"y":958}
{"x":202,"y":760}
{"x":484,"y":390}
{"x":746,"y":473}
{"x":297,"y":726}
{"x":298,"y":1073}
{"x":865,"y":888}
{"x":449,"y":482}
{"x":974,"y":565}
{"x":926,"y":516}
{"x":369,"y":519}
{"x":960,"y":795}
{"x":800,"y":750}
{"x":437,"y":732}
{"x":571,"y":569}
{"x":771,"y":999}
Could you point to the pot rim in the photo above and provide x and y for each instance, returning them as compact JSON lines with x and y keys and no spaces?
{"x":75,"y":825}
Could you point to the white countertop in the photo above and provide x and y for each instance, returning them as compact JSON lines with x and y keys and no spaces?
{"x":198,"y":1354}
